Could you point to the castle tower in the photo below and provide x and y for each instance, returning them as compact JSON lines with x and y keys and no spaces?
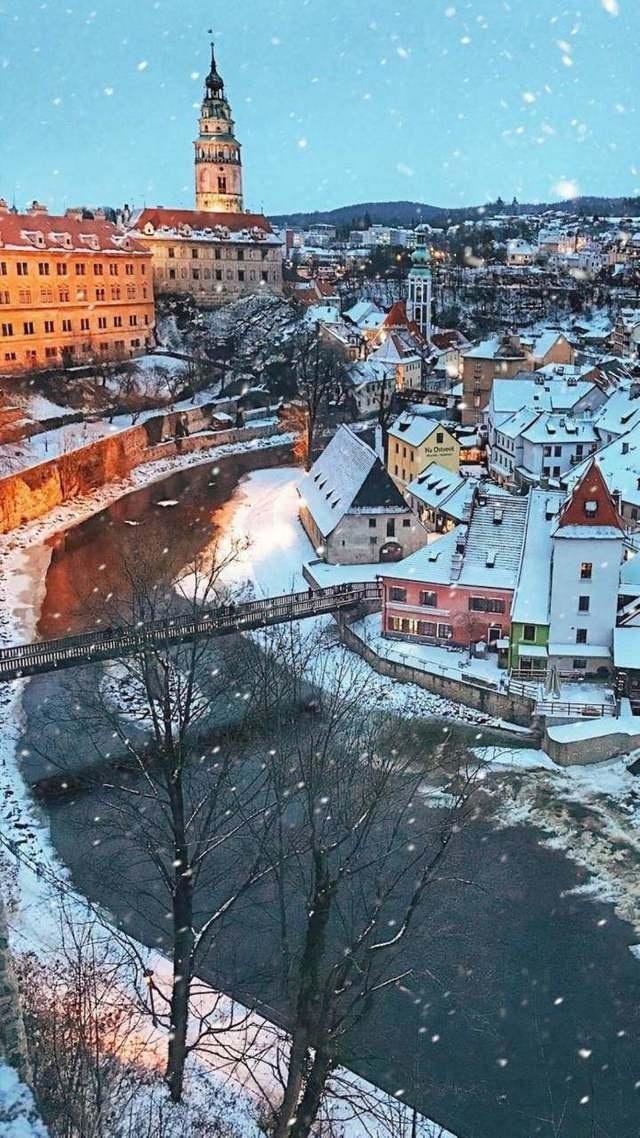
{"x":420,"y":290}
{"x":218,"y":161}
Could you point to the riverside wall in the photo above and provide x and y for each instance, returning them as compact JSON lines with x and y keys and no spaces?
{"x":29,"y":494}
{"x":501,"y":705}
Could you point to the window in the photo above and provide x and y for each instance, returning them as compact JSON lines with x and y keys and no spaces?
{"x":218,"y":274}
{"x":426,"y":628}
{"x":51,"y":353}
{"x":98,"y":270}
{"x":46,"y":295}
{"x":445,"y":631}
{"x":43,"y":268}
{"x":82,"y":294}
{"x":556,"y":472}
{"x":133,"y":320}
{"x":546,"y":451}
{"x":194,"y":254}
{"x":3,"y":268}
{"x":7,"y":329}
{"x":117,"y":322}
{"x":24,"y":296}
{"x":428,"y":598}
{"x":115,"y":293}
{"x":172,"y":274}
{"x":486,"y":604}
{"x":67,"y":326}
{"x":5,"y":297}
{"x":113,"y":270}
{"x":265,"y":276}
{"x":581,"y":636}
{"x":529,"y":632}
{"x":195,"y":274}
{"x":131,"y":292}
{"x":240,"y":274}
{"x":128,"y":270}
{"x":102,"y":322}
{"x":372,"y":523}
{"x":23,"y":269}
{"x":373,"y":541}
{"x":439,"y":437}
{"x":391,"y":527}
{"x":101,"y":294}
{"x":61,"y":269}
{"x":546,"y":470}
{"x":63,"y":295}
{"x":10,"y":356}
{"x":171,"y":253}
{"x":583,"y":604}
{"x":580,"y":665}
{"x":591,"y":508}
{"x":48,"y":326}
{"x":84,"y":324}
{"x":397,"y":594}
{"x":406,"y":522}
{"x":586,"y":570}
{"x":81,"y":270}
{"x":557,"y":451}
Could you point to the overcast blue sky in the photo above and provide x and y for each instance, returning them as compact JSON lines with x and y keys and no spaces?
{"x":336,"y":101}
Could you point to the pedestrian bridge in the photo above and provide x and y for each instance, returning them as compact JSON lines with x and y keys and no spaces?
{"x":114,"y":643}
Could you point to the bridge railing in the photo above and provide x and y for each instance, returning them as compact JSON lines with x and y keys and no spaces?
{"x":230,"y":617}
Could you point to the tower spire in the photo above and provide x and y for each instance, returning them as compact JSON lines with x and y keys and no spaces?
{"x":218,"y":161}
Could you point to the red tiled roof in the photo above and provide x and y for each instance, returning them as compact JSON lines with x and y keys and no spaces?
{"x":201,"y":219}
{"x":21,"y":230}
{"x":591,"y":488}
{"x":396,"y":316}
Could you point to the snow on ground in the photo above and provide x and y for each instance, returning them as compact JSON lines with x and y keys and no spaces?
{"x":264,"y":512}
{"x":18,"y":1114}
{"x":591,"y":813}
{"x":452,"y":662}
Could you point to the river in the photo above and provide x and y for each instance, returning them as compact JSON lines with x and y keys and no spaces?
{"x":524,"y":1008}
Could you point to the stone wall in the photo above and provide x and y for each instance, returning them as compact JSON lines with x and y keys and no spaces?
{"x":31,"y":493}
{"x":596,"y":748}
{"x":502,"y":705}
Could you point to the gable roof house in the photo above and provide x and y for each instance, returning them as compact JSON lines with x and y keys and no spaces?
{"x":416,"y":440}
{"x":351,"y":509}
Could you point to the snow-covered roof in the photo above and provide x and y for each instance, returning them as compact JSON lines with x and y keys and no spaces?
{"x":620,"y":413}
{"x":393,"y":350}
{"x":531,"y":598}
{"x":202,"y":225}
{"x":619,"y":464}
{"x":490,"y":548}
{"x":415,"y":429}
{"x":442,"y":489}
{"x":65,"y":234}
{"x":543,"y":343}
{"x":347,"y":476}
{"x":509,"y":395}
{"x":547,"y":428}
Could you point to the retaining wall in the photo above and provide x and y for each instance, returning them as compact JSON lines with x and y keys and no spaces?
{"x":594,"y":749}
{"x":31,"y":493}
{"x":502,"y":705}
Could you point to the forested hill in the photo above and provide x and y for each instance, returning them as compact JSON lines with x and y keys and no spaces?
{"x":412,"y":213}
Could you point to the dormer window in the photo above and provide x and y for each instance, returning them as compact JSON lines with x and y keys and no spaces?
{"x":591,"y":507}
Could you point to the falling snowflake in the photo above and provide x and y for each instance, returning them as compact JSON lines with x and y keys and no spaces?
{"x":611,"y":6}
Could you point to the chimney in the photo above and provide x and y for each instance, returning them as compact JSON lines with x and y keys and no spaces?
{"x":37,"y":207}
{"x":74,"y":214}
{"x":4,"y":208}
{"x":378,"y":444}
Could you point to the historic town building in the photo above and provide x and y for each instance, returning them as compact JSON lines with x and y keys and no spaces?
{"x":218,"y":160}
{"x":420,"y":291}
{"x":73,"y":290}
{"x":216,"y":252}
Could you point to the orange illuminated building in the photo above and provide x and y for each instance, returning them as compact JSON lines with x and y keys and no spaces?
{"x":73,"y":290}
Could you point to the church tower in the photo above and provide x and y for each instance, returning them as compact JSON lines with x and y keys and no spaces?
{"x":420,"y":290}
{"x":218,"y":162}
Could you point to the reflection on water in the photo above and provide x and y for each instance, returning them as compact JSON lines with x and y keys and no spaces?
{"x":92,"y":559}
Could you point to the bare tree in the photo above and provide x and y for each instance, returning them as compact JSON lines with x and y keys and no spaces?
{"x":182,"y":804}
{"x":360,"y":853}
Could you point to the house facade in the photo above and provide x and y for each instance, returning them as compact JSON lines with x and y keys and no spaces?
{"x":413,"y":442}
{"x":350,"y":508}
{"x":73,"y":290}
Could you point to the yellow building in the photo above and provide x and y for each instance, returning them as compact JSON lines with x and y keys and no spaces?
{"x":72,"y":290}
{"x":413,"y":442}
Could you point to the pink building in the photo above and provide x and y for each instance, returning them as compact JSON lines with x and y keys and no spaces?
{"x":458,"y":590}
